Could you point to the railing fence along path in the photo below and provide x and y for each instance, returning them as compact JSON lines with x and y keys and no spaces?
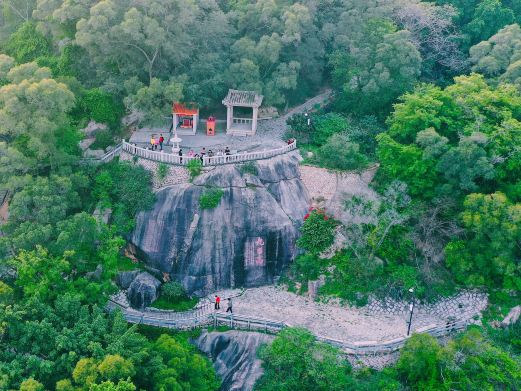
{"x":107,"y":157}
{"x":204,"y":316}
{"x":170,"y":158}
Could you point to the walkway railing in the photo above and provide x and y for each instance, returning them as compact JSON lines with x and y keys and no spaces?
{"x":107,"y":157}
{"x":204,"y":316}
{"x":242,"y":121}
{"x":169,"y":158}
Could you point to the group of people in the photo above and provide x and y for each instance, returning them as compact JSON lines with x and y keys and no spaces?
{"x":204,"y":153}
{"x":218,"y":304}
{"x":155,"y":142}
{"x":158,"y":142}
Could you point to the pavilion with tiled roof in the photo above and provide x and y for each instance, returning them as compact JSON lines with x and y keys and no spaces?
{"x":242,"y":126}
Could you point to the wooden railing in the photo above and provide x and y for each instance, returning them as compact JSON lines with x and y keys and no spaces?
{"x":175,"y":159}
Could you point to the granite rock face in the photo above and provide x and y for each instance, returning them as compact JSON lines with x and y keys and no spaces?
{"x":234,"y":356}
{"x":143,"y":290}
{"x":124,"y":279}
{"x":247,"y":240}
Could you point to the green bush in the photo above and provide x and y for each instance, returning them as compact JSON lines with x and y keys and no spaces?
{"x":162,"y":171}
{"x":210,"y":198}
{"x":317,"y":233}
{"x":341,"y":154}
{"x":173,"y":291}
{"x":326,"y":125}
{"x":101,"y":107}
{"x":104,"y":138}
{"x":194,"y":166}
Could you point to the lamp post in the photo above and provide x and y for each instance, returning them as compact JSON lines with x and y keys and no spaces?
{"x":411,"y":310}
{"x":308,"y":120}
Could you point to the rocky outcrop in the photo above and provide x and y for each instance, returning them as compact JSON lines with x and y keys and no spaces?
{"x":247,"y":240}
{"x":512,"y":317}
{"x":143,"y":290}
{"x":124,"y":279}
{"x":234,"y":354}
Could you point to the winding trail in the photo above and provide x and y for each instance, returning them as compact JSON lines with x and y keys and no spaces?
{"x":379,"y":328}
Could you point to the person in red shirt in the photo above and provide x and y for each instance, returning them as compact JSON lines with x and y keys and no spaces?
{"x":161,"y":141}
{"x":217,"y":302}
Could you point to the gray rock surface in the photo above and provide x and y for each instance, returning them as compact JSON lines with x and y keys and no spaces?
{"x":234,"y":356}
{"x":512,"y":316}
{"x":143,"y":290}
{"x":124,"y":279}
{"x":247,"y":240}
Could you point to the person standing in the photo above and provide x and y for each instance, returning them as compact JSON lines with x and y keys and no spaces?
{"x":153,"y":143}
{"x":217,"y":302}
{"x":161,"y":141}
{"x":180,"y":153}
{"x":229,"y":309}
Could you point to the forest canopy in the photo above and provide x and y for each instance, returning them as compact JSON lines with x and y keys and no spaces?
{"x":428,"y":92}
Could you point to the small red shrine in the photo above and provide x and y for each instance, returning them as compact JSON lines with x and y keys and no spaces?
{"x":185,"y":118}
{"x":210,"y":126}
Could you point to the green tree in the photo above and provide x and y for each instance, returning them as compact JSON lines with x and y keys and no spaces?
{"x":382,"y":66}
{"x":45,"y":200}
{"x":27,"y":44}
{"x":114,"y":367}
{"x":40,"y":275}
{"x":490,"y":254}
{"x":489,"y":17}
{"x":342,"y":154}
{"x":180,"y":368}
{"x":154,"y":100}
{"x":31,"y":385}
{"x":420,"y":362}
{"x":33,"y":107}
{"x":294,"y":360}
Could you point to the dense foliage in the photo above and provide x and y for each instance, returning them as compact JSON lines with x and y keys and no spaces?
{"x":471,"y":361}
{"x":431,"y":91}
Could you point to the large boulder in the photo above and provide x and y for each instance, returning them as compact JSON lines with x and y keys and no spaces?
{"x":234,"y":354}
{"x":247,"y":240}
{"x":124,"y":279}
{"x":143,"y":290}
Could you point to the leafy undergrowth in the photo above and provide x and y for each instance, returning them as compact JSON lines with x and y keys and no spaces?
{"x":126,"y":264}
{"x":182,"y":305}
{"x":154,"y":332}
{"x":500,"y":303}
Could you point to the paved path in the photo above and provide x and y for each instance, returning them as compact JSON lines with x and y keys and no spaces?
{"x":346,"y":323}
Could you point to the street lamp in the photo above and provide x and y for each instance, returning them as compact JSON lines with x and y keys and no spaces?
{"x":411,"y":310}
{"x":308,"y":120}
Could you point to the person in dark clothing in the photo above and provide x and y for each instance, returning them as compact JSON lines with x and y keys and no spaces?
{"x":229,"y":309}
{"x":227,"y":152}
{"x":217,"y":302}
{"x":180,"y":153}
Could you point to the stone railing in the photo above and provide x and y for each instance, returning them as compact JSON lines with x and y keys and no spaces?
{"x":204,"y":316}
{"x":107,"y":157}
{"x":169,"y":158}
{"x":242,"y":121}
